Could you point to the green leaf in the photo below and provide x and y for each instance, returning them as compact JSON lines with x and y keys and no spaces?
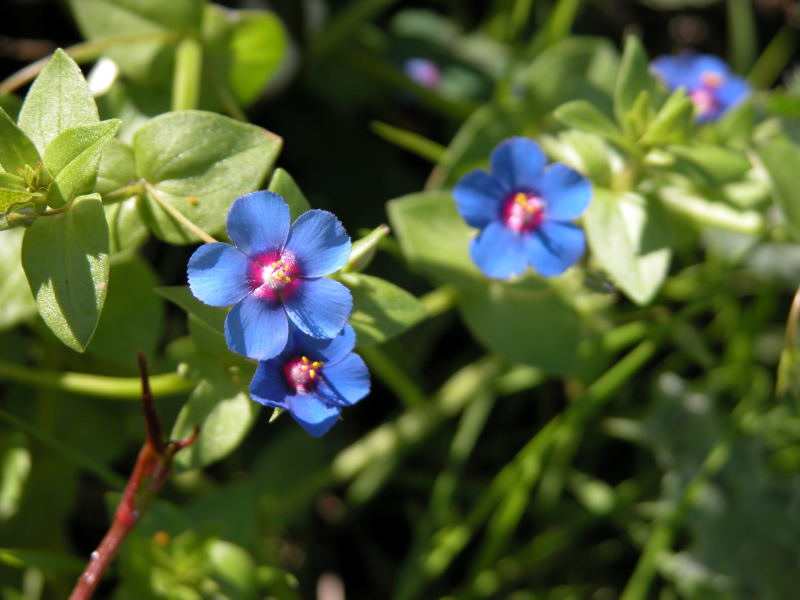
{"x":212,"y":316}
{"x":381,"y":309}
{"x":583,"y":116}
{"x":284,"y":185}
{"x":65,"y":257}
{"x":434,"y":237}
{"x":628,"y":237}
{"x":633,"y":78}
{"x":73,"y":159}
{"x":121,"y":331}
{"x":781,"y":159}
{"x":16,"y":149}
{"x":525,"y":321}
{"x":225,"y":415}
{"x":244,"y":49}
{"x":58,"y":100}
{"x":673,"y":122}
{"x":719,"y":164}
{"x":141,"y":60}
{"x":117,"y":167}
{"x":585,"y":152}
{"x":126,"y":230}
{"x":16,"y":302}
{"x":15,"y":466}
{"x":199,"y":162}
{"x":12,"y":192}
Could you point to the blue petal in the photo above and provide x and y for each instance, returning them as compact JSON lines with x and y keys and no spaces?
{"x":328,"y":351}
{"x":479,"y":197}
{"x":518,"y":163}
{"x":565,"y":192}
{"x":269,"y":384}
{"x":259,"y":222}
{"x":257,"y":328}
{"x":218,"y":274}
{"x":346,"y":382}
{"x":555,"y":247}
{"x":312,"y":413}
{"x":319,"y":243}
{"x":687,"y":69}
{"x":319,"y":307}
{"x":734,"y":89}
{"x":499,"y":252}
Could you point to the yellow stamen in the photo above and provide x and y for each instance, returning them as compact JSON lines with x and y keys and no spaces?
{"x":305,"y":359}
{"x":312,"y":373}
{"x":522,"y":200}
{"x":317,"y":364}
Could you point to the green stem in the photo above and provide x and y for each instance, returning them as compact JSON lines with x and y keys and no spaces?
{"x":177,"y":215}
{"x":79,"y":458}
{"x":774,"y":58}
{"x":440,"y":300}
{"x":100,"y":386}
{"x":345,"y":22}
{"x":188,"y":72}
{"x":393,"y":376}
{"x":81,"y":53}
{"x":123,"y":193}
{"x":742,"y":34}
{"x":714,"y":214}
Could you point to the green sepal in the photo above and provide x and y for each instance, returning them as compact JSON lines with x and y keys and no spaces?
{"x":285,"y":186}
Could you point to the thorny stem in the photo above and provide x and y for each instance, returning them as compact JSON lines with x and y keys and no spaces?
{"x":177,"y":215}
{"x":150,"y":472}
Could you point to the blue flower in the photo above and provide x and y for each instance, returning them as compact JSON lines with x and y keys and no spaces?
{"x":274,"y":270}
{"x":708,"y":81}
{"x":524,"y":211}
{"x":424,"y":71}
{"x":313,"y":379}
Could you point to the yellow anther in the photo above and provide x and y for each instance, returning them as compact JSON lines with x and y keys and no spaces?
{"x":305,"y":359}
{"x":317,"y":364}
{"x":288,"y":279}
{"x":312,"y":373}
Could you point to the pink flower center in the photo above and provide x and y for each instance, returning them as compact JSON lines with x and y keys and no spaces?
{"x":523,"y":212}
{"x":302,"y":374}
{"x":274,"y":275}
{"x":705,"y":97}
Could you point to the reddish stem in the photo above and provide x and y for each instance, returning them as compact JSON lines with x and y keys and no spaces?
{"x":151,"y":470}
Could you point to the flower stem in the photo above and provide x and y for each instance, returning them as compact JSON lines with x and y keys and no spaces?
{"x":84,"y":52}
{"x":177,"y":215}
{"x":101,"y":386}
{"x":186,"y":79}
{"x":150,"y":472}
{"x":440,"y":300}
{"x":393,"y":376}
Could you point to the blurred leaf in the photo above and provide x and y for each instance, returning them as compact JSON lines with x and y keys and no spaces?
{"x":381,"y":309}
{"x":673,"y":122}
{"x":121,"y":331}
{"x":587,"y":153}
{"x":125,"y":227}
{"x":15,"y":466}
{"x":65,"y":257}
{"x":433,"y":237}
{"x":525,"y":321}
{"x":73,"y":158}
{"x":16,"y":302}
{"x":98,"y":19}
{"x":634,"y":77}
{"x":235,"y":569}
{"x":58,"y":99}
{"x":285,"y":186}
{"x":199,"y":162}
{"x":720,"y":164}
{"x":48,"y":561}
{"x":628,"y":237}
{"x":244,"y":49}
{"x":781,"y":159}
{"x":225,"y":415}
{"x":584,"y":116}
{"x":408,"y":140}
{"x":16,"y":149}
{"x":212,"y":316}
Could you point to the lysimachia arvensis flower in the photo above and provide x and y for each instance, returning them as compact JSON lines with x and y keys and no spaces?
{"x":273,"y":274}
{"x":524,"y":211}
{"x":313,"y":379}
{"x":708,"y":81}
{"x":424,"y":71}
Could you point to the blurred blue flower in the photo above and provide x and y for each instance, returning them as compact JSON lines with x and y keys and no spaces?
{"x":424,"y":71}
{"x":524,"y":211}
{"x":313,"y":379}
{"x":708,"y":81}
{"x":274,"y":269}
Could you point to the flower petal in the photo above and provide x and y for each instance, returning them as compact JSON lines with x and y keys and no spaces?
{"x":319,"y":307}
{"x":687,"y":69}
{"x":257,"y":328}
{"x":518,"y":163}
{"x":479,"y":197}
{"x":555,"y":247}
{"x":346,"y":382}
{"x":328,"y":351}
{"x":218,"y":274}
{"x":734,"y":89}
{"x":319,"y":243}
{"x":499,"y":252}
{"x":269,"y":384}
{"x":259,"y":222}
{"x":312,"y":413}
{"x":565,"y":191}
